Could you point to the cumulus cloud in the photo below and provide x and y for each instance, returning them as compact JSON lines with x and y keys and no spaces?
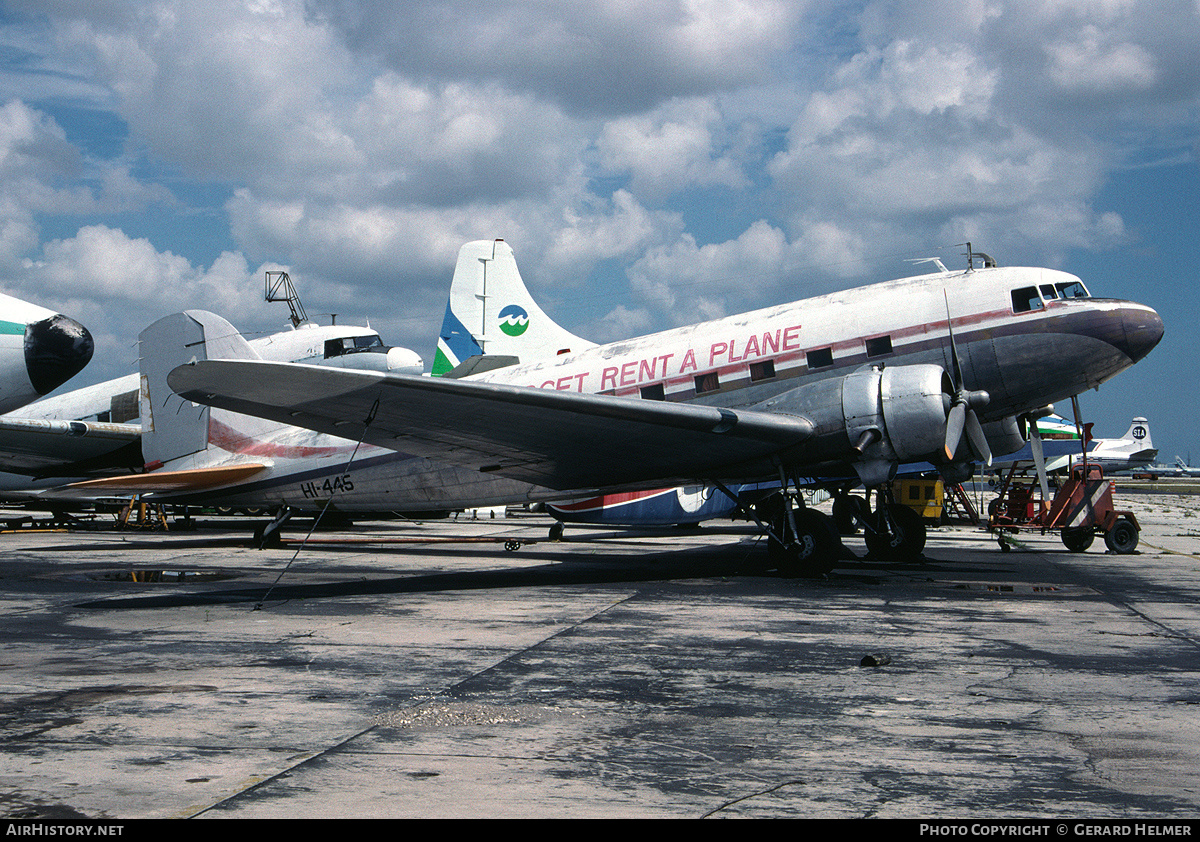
{"x":1093,"y":62}
{"x":591,"y":57}
{"x":671,"y":149}
{"x":360,"y":143}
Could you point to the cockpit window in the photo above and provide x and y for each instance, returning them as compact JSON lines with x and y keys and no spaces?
{"x":1048,"y":292}
{"x":352,"y":345}
{"x":1072,"y":289}
{"x":1026,"y":299}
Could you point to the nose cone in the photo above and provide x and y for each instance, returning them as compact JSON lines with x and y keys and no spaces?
{"x":56,"y":349}
{"x":403,"y":361}
{"x":1143,"y":330}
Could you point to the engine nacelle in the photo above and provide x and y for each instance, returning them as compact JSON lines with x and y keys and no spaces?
{"x":1004,"y":436}
{"x":874,"y":418}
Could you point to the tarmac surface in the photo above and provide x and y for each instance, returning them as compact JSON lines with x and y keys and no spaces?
{"x":614,"y":674}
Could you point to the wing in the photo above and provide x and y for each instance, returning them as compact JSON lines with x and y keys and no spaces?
{"x":561,"y":440}
{"x":67,"y":448}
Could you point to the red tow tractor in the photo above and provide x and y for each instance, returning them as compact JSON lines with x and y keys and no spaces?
{"x":1080,"y":510}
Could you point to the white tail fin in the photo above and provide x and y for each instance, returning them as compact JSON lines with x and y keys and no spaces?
{"x":491,"y":313}
{"x":171,"y":426}
{"x":1139,"y":431}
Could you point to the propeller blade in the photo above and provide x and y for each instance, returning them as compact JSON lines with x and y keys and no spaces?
{"x":978,"y":440}
{"x":954,"y":428}
{"x":957,"y":373}
{"x":1039,"y":459}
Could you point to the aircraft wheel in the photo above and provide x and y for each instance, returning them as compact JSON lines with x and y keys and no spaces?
{"x":1123,"y":537}
{"x":813,"y":552}
{"x":846,"y":509}
{"x":1078,"y":538}
{"x":905,"y":541}
{"x":556,"y":530}
{"x":264,"y":540}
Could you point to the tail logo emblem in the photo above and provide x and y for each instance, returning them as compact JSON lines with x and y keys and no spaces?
{"x":513,"y":320}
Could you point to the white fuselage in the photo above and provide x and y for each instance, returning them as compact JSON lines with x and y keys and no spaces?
{"x":1003,"y":336}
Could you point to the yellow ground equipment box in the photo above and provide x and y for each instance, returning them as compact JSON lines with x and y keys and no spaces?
{"x":925,"y":496}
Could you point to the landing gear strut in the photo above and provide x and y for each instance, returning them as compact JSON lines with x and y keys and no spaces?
{"x":802,"y":542}
{"x":893,"y":532}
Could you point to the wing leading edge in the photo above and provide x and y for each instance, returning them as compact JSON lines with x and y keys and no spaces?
{"x":560,"y":440}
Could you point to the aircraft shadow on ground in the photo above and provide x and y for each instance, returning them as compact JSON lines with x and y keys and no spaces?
{"x":547,"y":568}
{"x":553,"y":571}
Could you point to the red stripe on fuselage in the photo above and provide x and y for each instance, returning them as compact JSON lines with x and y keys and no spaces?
{"x":229,"y":439}
{"x":603,"y":502}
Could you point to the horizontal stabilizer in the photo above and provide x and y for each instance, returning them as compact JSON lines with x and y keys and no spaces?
{"x":194,"y":479}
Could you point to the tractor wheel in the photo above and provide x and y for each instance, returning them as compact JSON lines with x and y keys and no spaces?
{"x":1078,"y":538}
{"x":1123,"y":537}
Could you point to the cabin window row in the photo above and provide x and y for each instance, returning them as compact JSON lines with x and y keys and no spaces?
{"x":765,"y":369}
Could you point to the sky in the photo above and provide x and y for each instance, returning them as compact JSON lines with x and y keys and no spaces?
{"x":652,"y":162}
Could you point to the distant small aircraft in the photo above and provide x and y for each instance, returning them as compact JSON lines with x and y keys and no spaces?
{"x":1062,"y":447}
{"x":39,"y":351}
{"x":1185,"y":470}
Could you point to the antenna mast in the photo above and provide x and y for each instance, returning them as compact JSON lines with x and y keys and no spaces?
{"x":281,"y":289}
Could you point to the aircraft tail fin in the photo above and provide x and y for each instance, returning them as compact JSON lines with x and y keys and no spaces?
{"x":1139,"y":431}
{"x":174,"y":428}
{"x":491,"y":313}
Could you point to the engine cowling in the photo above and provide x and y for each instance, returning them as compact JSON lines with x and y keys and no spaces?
{"x":873,"y":418}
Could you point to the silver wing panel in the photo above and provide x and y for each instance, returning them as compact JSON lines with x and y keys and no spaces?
{"x":561,"y":440}
{"x":66,"y":448}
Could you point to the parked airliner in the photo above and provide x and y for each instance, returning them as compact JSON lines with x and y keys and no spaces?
{"x":940,"y":367}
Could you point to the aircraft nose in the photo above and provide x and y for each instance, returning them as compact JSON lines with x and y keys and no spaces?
{"x":56,"y":349}
{"x":1143,"y":330}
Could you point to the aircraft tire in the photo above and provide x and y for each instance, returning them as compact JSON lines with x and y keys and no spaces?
{"x":1077,"y":539}
{"x":845,"y":508}
{"x":1123,"y":537}
{"x":813,"y":553}
{"x":264,"y":541}
{"x":906,"y":543}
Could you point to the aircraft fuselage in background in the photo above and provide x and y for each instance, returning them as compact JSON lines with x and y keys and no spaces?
{"x":96,"y":429}
{"x":39,"y":351}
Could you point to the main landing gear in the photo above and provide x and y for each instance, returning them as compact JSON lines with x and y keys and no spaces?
{"x":806,"y":543}
{"x":801,"y":542}
{"x":893,"y":532}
